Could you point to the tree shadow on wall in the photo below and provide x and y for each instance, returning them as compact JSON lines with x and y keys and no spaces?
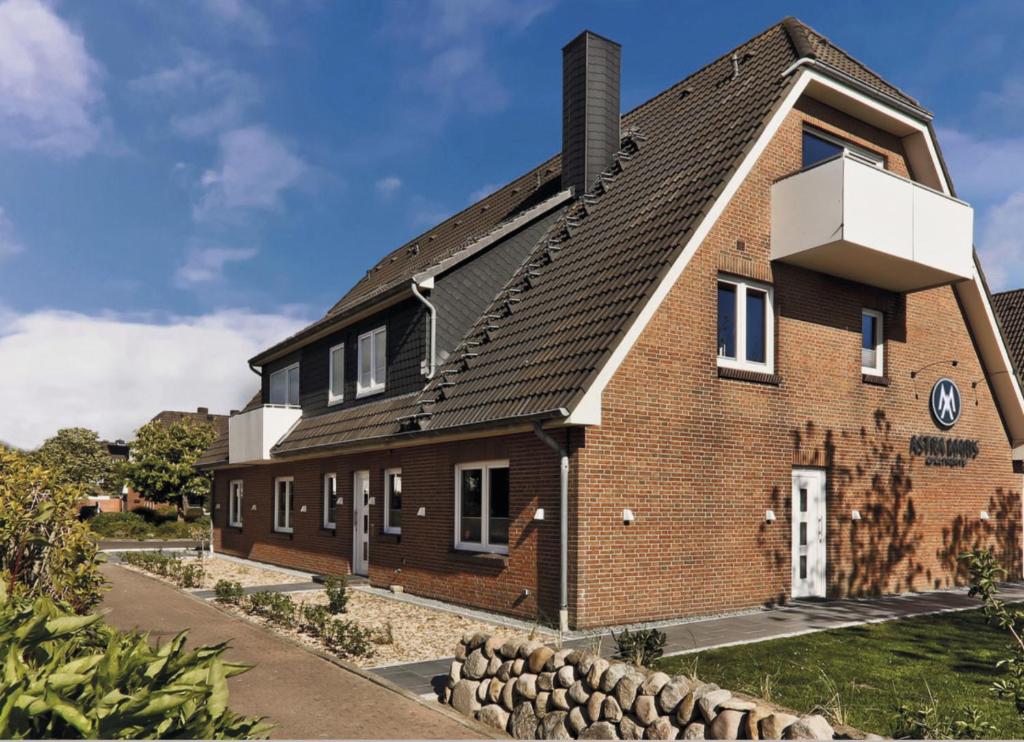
{"x":1001,"y":532}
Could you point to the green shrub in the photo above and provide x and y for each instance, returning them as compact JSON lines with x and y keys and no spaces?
{"x":74,"y":677}
{"x":641,"y":647}
{"x":337,"y":594}
{"x":932,"y":722}
{"x":191,"y":575}
{"x":348,"y":639}
{"x":192,"y":514}
{"x":314,"y":618}
{"x":171,"y":566}
{"x":173,"y":529}
{"x":44,"y":548}
{"x":275,"y":607}
{"x":157,"y":515}
{"x":121,"y":525}
{"x":228,"y":591}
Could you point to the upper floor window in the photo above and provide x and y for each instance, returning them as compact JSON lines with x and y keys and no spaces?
{"x":235,"y":492}
{"x":818,"y":146}
{"x":372,"y":353}
{"x":482,"y":506}
{"x":284,"y":386}
{"x":336,"y":374}
{"x":872,"y":342}
{"x":746,"y":332}
{"x":393,"y":501}
{"x":330,"y":500}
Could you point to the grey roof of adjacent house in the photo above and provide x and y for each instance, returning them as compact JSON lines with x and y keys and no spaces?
{"x":536,"y":349}
{"x":1009,"y":309}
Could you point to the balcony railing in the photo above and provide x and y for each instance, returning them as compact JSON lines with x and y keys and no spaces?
{"x":253,"y":433}
{"x":851,"y":219}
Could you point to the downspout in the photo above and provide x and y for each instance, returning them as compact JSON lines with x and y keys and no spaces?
{"x":563,"y":522}
{"x":433,"y":328}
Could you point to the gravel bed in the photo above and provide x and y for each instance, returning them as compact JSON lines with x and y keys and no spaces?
{"x":216,"y":568}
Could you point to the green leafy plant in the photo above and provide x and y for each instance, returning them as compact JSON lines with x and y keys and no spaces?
{"x":74,"y":677}
{"x":929,"y":722}
{"x":191,"y":575}
{"x":44,"y":548}
{"x":337,"y":594}
{"x":314,"y":619}
{"x":76,"y":456}
{"x":348,"y":639}
{"x":275,"y":607}
{"x":228,"y":591}
{"x":641,"y":647}
{"x":162,"y":467}
{"x":121,"y":525}
{"x":184,"y":574}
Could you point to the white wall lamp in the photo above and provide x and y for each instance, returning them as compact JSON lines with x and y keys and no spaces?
{"x":627,"y":516}
{"x":340,"y":501}
{"x":538,"y":514}
{"x":422,"y":513}
{"x":983,"y":515}
{"x":253,"y":508}
{"x":302,"y":509}
{"x":373,"y":501}
{"x":769,"y":516}
{"x":855,"y":515}
{"x":217,"y":506}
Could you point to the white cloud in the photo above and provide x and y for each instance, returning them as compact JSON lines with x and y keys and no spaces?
{"x":9,"y":244}
{"x":240,"y":16}
{"x":982,"y":168}
{"x":206,"y":264}
{"x":388,"y":186}
{"x":1002,"y":243}
{"x":49,"y":85}
{"x":255,"y":167}
{"x":112,"y":373}
{"x":215,"y":96}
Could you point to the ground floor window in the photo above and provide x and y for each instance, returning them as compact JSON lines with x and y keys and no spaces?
{"x":482,"y":506}
{"x":283,"y":504}
{"x":393,"y":501}
{"x":330,"y":500}
{"x":235,"y":491}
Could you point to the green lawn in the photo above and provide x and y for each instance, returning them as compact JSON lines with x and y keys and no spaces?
{"x":871,"y":669}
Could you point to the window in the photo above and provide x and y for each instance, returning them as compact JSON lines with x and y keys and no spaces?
{"x":872,"y":343}
{"x":393,"y":501}
{"x":284,"y":386}
{"x":330,"y":500}
{"x":372,"y":350}
{"x":235,"y":491}
{"x":283,"y":504}
{"x":819,"y":146}
{"x":336,"y":373}
{"x":482,"y":506}
{"x":745,"y":325}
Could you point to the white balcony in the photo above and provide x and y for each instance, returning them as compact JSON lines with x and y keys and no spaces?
{"x":252,"y":434}
{"x":850,"y":219}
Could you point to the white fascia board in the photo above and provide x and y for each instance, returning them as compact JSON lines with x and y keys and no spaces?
{"x":588,"y":410}
{"x":491,"y":237}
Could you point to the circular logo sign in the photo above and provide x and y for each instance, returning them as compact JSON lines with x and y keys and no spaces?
{"x":945,"y":403}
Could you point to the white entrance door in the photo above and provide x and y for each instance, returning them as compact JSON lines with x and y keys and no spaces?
{"x":808,"y":533}
{"x":361,"y":523}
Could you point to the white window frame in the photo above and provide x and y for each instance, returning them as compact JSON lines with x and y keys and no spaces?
{"x":740,"y":362}
{"x":327,"y":494}
{"x":388,"y":528}
{"x":376,"y":386}
{"x":287,"y":386}
{"x":235,"y":487}
{"x":287,"y":527}
{"x":879,"y":370}
{"x":861,"y":153}
{"x":485,"y":507}
{"x":335,"y":396}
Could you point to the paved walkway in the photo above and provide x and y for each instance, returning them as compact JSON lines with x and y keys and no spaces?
{"x":285,"y":587}
{"x":125,"y":544}
{"x":307,"y":696}
{"x":693,"y":636}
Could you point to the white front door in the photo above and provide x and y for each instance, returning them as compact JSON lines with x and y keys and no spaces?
{"x":361,"y":523}
{"x":808,"y":533}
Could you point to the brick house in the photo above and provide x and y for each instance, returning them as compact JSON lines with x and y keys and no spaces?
{"x":729,"y":349}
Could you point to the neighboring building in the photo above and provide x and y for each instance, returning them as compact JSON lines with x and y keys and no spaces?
{"x":741,"y":334}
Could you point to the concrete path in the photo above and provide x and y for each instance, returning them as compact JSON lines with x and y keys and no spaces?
{"x":125,"y":544}
{"x":686,"y":637}
{"x":286,"y":587}
{"x":307,"y":696}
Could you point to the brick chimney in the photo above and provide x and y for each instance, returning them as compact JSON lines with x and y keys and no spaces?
{"x":590,"y":109}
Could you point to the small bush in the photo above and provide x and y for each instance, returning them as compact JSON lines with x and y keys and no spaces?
{"x":641,"y":647}
{"x":121,"y":525}
{"x":173,"y":529}
{"x":337,"y":594}
{"x":275,"y":607}
{"x":929,"y":722}
{"x":348,"y":639}
{"x":157,"y":515}
{"x":314,"y":619}
{"x":228,"y":591}
{"x":171,"y":566}
{"x":191,"y":575}
{"x":192,"y":514}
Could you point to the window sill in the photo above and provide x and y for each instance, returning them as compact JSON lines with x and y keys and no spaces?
{"x":284,"y":535}
{"x":369,"y":392}
{"x":234,"y":527}
{"x":482,"y":558}
{"x":332,"y":530}
{"x":756,"y":377}
{"x":389,"y":537}
{"x":874,"y":379}
{"x":334,"y":402}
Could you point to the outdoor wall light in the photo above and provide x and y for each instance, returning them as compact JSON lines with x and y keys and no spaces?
{"x":253,"y":508}
{"x":538,"y":514}
{"x":373,"y":501}
{"x":302,"y":509}
{"x":340,"y":501}
{"x":422,"y":512}
{"x":627,"y":516}
{"x":217,"y":506}
{"x":769,"y":516}
{"x":983,"y":515}
{"x":855,"y":515}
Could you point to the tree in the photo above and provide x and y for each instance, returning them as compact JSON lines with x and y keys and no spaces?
{"x":76,"y":456}
{"x":44,"y":549}
{"x":162,"y":464}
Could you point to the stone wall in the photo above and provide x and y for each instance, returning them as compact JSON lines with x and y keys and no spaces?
{"x":533,"y":691}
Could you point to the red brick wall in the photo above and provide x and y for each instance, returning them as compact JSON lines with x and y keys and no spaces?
{"x":422,"y":559}
{"x":701,"y":458}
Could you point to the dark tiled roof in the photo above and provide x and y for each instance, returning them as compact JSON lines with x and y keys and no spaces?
{"x":1009,"y":309}
{"x":548,"y":332}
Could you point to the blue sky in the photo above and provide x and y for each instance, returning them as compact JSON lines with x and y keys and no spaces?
{"x":183,"y":183}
